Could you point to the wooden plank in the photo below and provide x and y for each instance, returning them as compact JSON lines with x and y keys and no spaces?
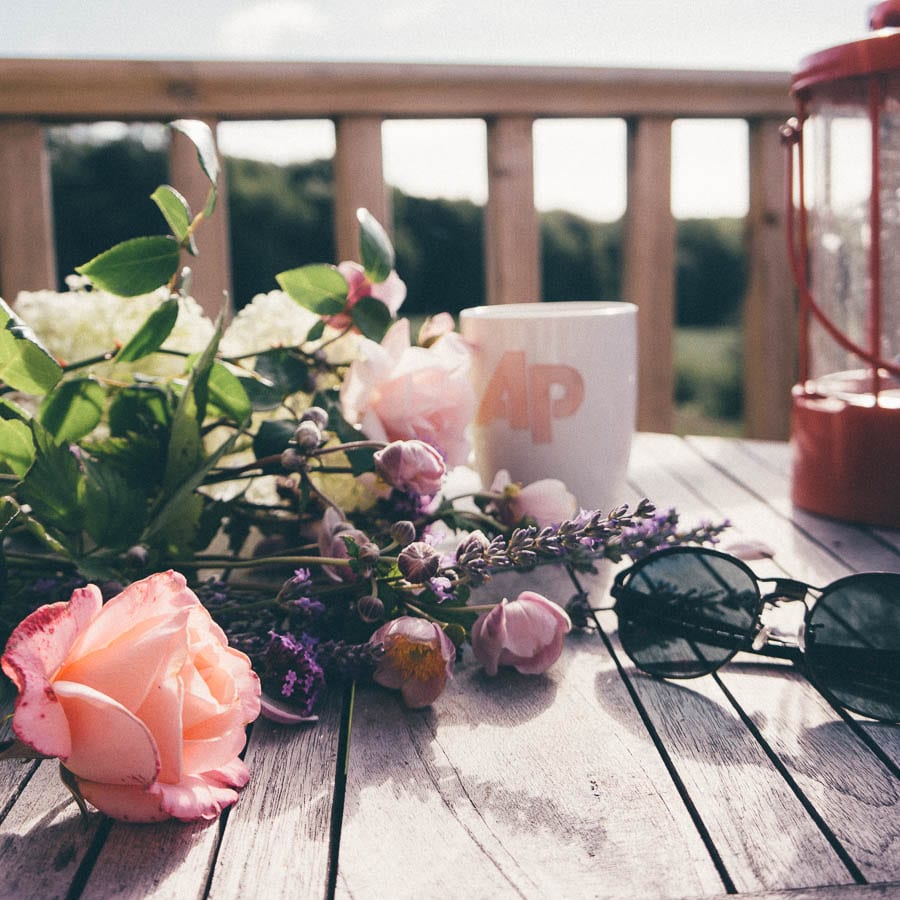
{"x":168,"y":860}
{"x":358,"y":180}
{"x":211,"y":268}
{"x":850,"y":788}
{"x":27,"y":251}
{"x":43,"y":839}
{"x":516,"y":786}
{"x":165,"y":89}
{"x":854,"y":545}
{"x":760,"y":829}
{"x":648,"y":277}
{"x":277,"y":839}
{"x":770,"y":327}
{"x":511,"y":230}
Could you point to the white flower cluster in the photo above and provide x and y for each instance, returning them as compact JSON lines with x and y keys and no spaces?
{"x":78,"y":324}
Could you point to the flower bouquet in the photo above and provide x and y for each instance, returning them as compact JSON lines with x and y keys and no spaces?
{"x":199,"y":522}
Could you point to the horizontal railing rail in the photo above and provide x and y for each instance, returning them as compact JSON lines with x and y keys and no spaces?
{"x":358,"y":97}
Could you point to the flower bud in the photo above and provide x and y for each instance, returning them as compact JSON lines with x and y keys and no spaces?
{"x":403,"y":532}
{"x":526,"y":633}
{"x":316,"y":415}
{"x":370,"y":608}
{"x":307,"y":435}
{"x":412,"y":466}
{"x":418,"y":562}
{"x":291,"y":460}
{"x":137,"y":556}
{"x":369,"y":552}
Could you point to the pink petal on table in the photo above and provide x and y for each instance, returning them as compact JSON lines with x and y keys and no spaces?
{"x":126,"y":803}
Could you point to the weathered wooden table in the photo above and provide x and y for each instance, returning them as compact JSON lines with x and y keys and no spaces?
{"x":590,"y":781}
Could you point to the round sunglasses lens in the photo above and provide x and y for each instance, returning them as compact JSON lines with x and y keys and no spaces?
{"x":683,"y":614}
{"x":853,"y":644}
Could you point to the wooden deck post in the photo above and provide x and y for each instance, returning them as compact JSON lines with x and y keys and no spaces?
{"x":770,"y":309}
{"x":27,"y":250}
{"x":512,"y":235}
{"x":648,"y":277}
{"x":211,"y":268}
{"x":358,"y":180}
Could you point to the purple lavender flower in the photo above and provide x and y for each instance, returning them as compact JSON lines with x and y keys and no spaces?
{"x":289,"y":669}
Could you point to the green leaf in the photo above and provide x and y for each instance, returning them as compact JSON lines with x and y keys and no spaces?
{"x":16,"y":447}
{"x":134,"y":267}
{"x":73,"y":410}
{"x":115,"y":511}
{"x":54,"y":485}
{"x":185,"y":452}
{"x":177,"y":213}
{"x":280,"y":372}
{"x":316,"y":332}
{"x":227,"y":393}
{"x":371,"y":317}
{"x":152,"y":334}
{"x":9,"y":512}
{"x":272,"y":437}
{"x":201,"y":136}
{"x":375,"y":248}
{"x":24,"y":364}
{"x":318,"y":287}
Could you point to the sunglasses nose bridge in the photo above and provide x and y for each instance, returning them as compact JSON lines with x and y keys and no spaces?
{"x":785,"y":590}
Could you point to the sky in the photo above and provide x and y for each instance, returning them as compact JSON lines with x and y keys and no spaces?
{"x":448,"y":158}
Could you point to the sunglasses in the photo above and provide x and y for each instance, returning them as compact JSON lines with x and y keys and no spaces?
{"x":685,"y":611}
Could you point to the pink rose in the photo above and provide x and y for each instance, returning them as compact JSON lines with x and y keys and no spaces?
{"x":141,"y":699}
{"x":418,"y":659}
{"x":412,"y":466}
{"x":434,"y":327}
{"x":547,"y":501}
{"x":391,"y":292}
{"x":526,"y":633}
{"x":398,"y":392}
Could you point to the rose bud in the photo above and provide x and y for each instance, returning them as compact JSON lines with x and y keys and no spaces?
{"x":403,"y":532}
{"x":418,"y":659}
{"x":307,"y":435}
{"x":526,"y":633}
{"x":317,"y":416}
{"x":412,"y":466}
{"x":370,"y":608}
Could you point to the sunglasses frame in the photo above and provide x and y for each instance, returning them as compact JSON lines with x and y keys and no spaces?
{"x":756,"y":638}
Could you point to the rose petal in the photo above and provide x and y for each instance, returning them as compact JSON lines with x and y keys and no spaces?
{"x":34,"y":652}
{"x":109,"y":743}
{"x":124,"y":802}
{"x":195,"y":797}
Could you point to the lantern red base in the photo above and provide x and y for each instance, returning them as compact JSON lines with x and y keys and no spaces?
{"x":846,"y":459}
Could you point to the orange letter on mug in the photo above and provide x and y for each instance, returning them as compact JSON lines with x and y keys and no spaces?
{"x":544,"y":406}
{"x":506,"y":396}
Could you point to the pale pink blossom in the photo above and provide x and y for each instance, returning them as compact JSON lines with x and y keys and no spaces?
{"x":418,"y":659}
{"x":434,"y":327}
{"x":412,"y":466}
{"x":141,"y":699}
{"x":396,"y":391}
{"x":547,"y":501}
{"x":391,"y":292}
{"x":526,"y":633}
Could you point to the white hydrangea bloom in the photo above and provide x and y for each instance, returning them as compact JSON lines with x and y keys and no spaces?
{"x":269,"y":320}
{"x":274,"y":320}
{"x":78,"y":324}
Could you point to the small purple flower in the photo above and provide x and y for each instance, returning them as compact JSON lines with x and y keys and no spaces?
{"x":289,"y":669}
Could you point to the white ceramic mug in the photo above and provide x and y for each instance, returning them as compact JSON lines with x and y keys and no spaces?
{"x":557,"y":385}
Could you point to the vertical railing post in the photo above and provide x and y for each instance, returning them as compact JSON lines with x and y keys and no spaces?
{"x":511,"y":232}
{"x":358,"y":180}
{"x":649,"y":266}
{"x":211,"y":268}
{"x":27,"y":249}
{"x":770,"y":313}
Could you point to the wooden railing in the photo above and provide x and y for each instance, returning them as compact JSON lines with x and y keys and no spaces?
{"x":359,"y":97}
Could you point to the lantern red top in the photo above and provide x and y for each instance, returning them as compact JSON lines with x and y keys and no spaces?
{"x":877,"y":53}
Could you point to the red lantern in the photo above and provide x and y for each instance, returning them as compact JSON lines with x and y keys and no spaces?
{"x":844,"y":242}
